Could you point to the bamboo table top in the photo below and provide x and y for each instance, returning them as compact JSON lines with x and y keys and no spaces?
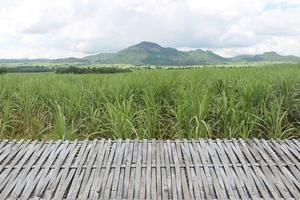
{"x":150,"y":169}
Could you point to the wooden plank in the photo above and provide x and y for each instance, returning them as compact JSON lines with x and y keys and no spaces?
{"x":259,"y":177}
{"x":189,"y":167}
{"x":127,"y":172}
{"x":297,"y":144}
{"x":118,"y":162}
{"x":96,"y":182}
{"x":201,"y":179}
{"x":164,"y":184}
{"x":215,"y":171}
{"x":143,"y":171}
{"x":251,"y":171}
{"x":184,"y":181}
{"x":278,"y":182}
{"x":138,"y":171}
{"x":172,"y":171}
{"x":132,"y":169}
{"x":244,"y":172}
{"x":111,"y":187}
{"x":32,"y":174}
{"x":108,"y":185}
{"x":3,"y":146}
{"x":153,"y":174}
{"x":177,"y":171}
{"x":265,"y":171}
{"x":206,"y":171}
{"x":237,"y":178}
{"x":15,"y":155}
{"x":158,"y":171}
{"x":19,"y":173}
{"x":77,"y":174}
{"x":168,"y":170}
{"x":55,"y":176}
{"x":121,"y":185}
{"x":62,"y":183}
{"x":285,"y":174}
{"x":38,"y":172}
{"x":219,"y":159}
{"x":87,"y":175}
{"x":148,"y":171}
{"x":95,"y":159}
{"x":19,"y":159}
{"x":107,"y":170}
{"x":8,"y":149}
{"x":132,"y":172}
{"x":46,"y":172}
{"x":288,"y":153}
{"x":286,"y":159}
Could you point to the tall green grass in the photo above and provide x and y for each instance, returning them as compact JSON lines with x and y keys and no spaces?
{"x":261,"y":102}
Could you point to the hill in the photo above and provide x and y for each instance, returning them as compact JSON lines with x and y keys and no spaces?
{"x":149,"y":53}
{"x":267,"y":56}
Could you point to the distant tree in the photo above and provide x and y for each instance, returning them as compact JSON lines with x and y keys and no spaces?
{"x":93,"y":70}
{"x":3,"y":71}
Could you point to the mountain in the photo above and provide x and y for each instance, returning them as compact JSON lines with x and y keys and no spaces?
{"x":69,"y":60}
{"x":267,"y":56}
{"x":14,"y":60}
{"x":149,"y":53}
{"x":99,"y":57}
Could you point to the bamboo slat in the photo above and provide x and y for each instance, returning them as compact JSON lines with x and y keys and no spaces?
{"x":150,"y":169}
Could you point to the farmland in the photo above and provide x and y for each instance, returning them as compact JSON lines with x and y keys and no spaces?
{"x":218,"y":102}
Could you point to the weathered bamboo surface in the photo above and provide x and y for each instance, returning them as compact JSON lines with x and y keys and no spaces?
{"x":150,"y":169}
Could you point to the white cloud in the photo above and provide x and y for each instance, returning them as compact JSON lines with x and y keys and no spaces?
{"x":60,"y":28}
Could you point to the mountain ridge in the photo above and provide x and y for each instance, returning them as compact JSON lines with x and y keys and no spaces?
{"x":150,"y":53}
{"x":154,"y":54}
{"x":266,"y":56}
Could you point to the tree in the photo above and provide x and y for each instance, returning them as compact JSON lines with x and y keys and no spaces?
{"x":3,"y":71}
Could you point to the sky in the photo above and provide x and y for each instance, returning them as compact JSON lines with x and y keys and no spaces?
{"x":76,"y":28}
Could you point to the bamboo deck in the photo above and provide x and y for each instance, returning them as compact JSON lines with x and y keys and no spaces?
{"x":150,"y":169}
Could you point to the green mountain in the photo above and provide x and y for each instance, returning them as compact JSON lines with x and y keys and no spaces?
{"x":98,"y":57}
{"x":69,"y":60}
{"x":267,"y":57}
{"x":148,"y":53}
{"x":14,"y":60}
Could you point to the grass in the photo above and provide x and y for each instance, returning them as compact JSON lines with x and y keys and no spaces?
{"x":246,"y":102}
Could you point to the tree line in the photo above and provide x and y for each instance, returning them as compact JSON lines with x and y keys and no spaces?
{"x":63,"y":70}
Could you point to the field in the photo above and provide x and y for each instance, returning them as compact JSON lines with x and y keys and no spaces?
{"x":244,"y":102}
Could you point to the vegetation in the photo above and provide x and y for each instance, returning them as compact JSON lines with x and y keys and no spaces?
{"x":261,"y":102}
{"x":3,"y":71}
{"x":93,"y":70}
{"x":25,"y":69}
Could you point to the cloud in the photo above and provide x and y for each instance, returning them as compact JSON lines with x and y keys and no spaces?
{"x":60,"y":28}
{"x":50,"y":20}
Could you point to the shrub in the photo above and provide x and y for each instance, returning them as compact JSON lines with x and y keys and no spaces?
{"x":3,"y":71}
{"x":94,"y":70}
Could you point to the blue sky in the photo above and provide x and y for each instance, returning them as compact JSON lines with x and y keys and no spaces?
{"x":284,"y":6}
{"x":63,"y":28}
